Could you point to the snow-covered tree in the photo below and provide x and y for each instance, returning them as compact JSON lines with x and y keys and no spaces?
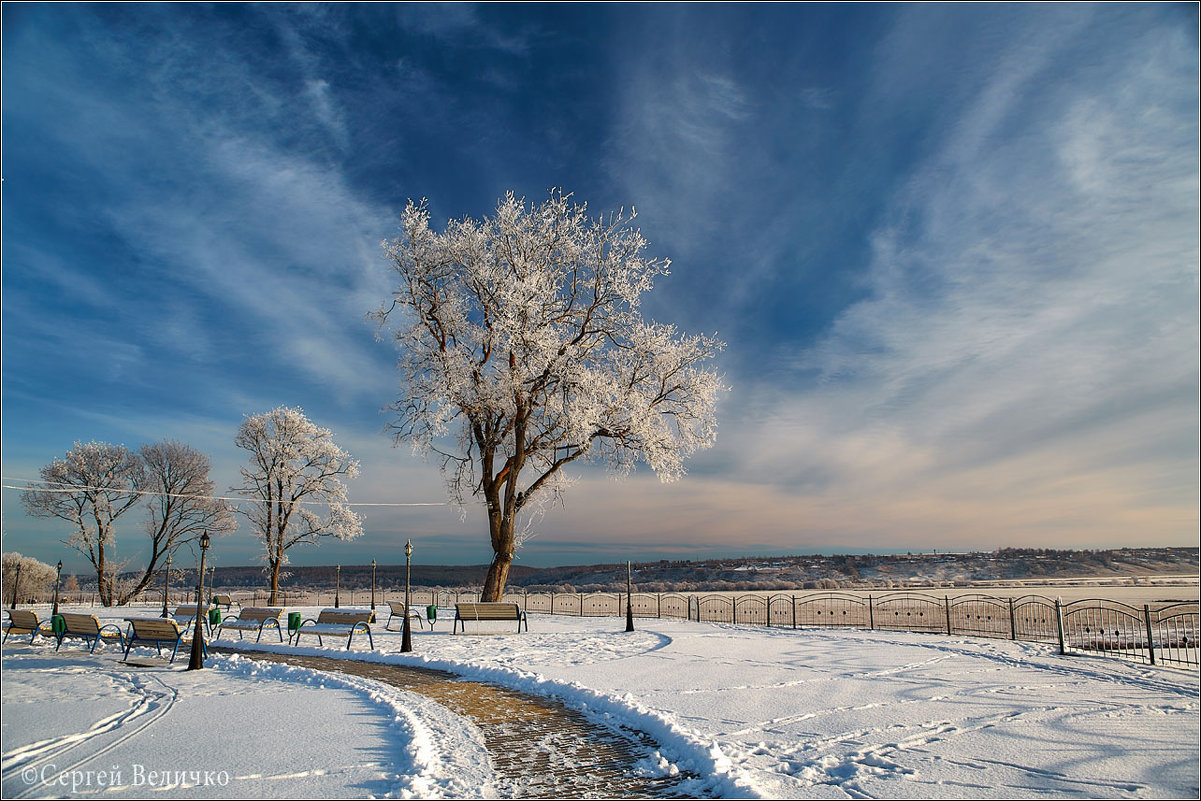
{"x":295,"y":478}
{"x":522,"y":332}
{"x":90,"y":488}
{"x":96,"y":483}
{"x":179,"y":498}
{"x":36,"y":577}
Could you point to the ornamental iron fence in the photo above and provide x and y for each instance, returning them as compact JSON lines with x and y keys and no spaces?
{"x":1156,"y":634}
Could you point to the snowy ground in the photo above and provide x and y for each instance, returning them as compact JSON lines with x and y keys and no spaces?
{"x":757,"y":712}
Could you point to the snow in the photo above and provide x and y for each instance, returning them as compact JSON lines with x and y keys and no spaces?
{"x":755,"y":712}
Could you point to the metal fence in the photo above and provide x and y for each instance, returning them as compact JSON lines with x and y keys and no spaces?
{"x":1153,"y":634}
{"x":1157,"y":634}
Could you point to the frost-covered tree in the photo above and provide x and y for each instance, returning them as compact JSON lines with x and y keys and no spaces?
{"x":90,"y":488}
{"x":522,"y":333}
{"x":96,"y":483}
{"x":179,"y":499}
{"x":295,"y":478}
{"x":36,"y":577}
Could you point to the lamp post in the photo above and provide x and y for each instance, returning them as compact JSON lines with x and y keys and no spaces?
{"x":196,"y":661}
{"x":629,"y":598}
{"x":212,"y":579}
{"x":17,"y":586}
{"x":337,"y":586}
{"x":58,"y":572}
{"x":166,"y":585}
{"x":372,"y":585}
{"x":406,"y":635}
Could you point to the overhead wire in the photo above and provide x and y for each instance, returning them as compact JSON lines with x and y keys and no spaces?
{"x":55,"y":486}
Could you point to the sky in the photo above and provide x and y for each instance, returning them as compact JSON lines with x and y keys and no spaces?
{"x":952,"y":251}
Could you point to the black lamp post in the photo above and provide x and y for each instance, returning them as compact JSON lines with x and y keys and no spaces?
{"x":629,"y":598}
{"x":166,"y":585}
{"x":337,"y":586}
{"x":372,"y":585}
{"x":58,"y":572}
{"x":196,"y":661}
{"x":17,"y":586}
{"x":406,"y":635}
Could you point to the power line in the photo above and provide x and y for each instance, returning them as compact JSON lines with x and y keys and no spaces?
{"x":53,"y":486}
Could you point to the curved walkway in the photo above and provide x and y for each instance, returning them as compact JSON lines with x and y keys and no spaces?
{"x":539,"y":748}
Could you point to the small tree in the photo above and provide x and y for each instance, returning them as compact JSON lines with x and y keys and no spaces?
{"x":90,"y":488}
{"x":295,"y":478}
{"x":523,"y":332}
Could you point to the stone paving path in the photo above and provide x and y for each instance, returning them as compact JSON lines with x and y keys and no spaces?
{"x":539,"y":748}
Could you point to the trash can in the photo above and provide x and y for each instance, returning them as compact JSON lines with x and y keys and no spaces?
{"x":293,"y":621}
{"x":431,"y":613}
{"x":214,"y":616}
{"x":58,"y":624}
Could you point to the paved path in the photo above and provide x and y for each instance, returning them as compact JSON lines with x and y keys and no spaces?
{"x":539,"y":748}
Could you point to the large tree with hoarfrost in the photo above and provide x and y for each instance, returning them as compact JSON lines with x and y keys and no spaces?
{"x":521,"y":334}
{"x":295,"y":483}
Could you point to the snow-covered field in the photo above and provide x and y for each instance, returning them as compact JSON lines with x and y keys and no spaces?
{"x":756,"y":712}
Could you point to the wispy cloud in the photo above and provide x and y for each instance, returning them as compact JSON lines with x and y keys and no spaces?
{"x":1026,"y":360}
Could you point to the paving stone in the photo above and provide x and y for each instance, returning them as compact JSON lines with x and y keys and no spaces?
{"x":539,"y":748}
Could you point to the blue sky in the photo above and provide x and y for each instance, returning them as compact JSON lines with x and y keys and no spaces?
{"x":952,"y":249}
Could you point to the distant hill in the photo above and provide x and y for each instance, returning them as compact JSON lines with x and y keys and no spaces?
{"x":785,"y":572}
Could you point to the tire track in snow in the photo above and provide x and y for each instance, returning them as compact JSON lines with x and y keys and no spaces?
{"x":149,"y":705}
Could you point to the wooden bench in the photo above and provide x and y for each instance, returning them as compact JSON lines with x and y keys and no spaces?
{"x":88,"y":627}
{"x":185,"y":616}
{"x":254,"y":618}
{"x":488,"y":612}
{"x":158,"y":631}
{"x":399,"y":610}
{"x":225,"y":600}
{"x":26,"y":620}
{"x":338,"y":622}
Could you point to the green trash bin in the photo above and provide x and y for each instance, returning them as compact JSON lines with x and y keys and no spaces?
{"x":431,"y":613}
{"x":58,"y":624}
{"x":214,"y":617}
{"x":293,"y":621}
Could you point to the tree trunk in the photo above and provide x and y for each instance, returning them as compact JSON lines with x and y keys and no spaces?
{"x":503,"y":548}
{"x":498,"y":574}
{"x":104,"y":584}
{"x":274,"y":582}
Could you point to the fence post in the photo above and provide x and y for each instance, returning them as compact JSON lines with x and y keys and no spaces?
{"x":871,"y":615}
{"x":1059,"y":625}
{"x":734,"y":610}
{"x":769,"y":610}
{"x":1150,"y":639}
{"x":794,"y":611}
{"x":1013,"y":629}
{"x":947,"y":603}
{"x":659,"y":605}
{"x":525,"y":597}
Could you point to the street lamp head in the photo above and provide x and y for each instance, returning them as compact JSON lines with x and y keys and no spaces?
{"x":372,"y":564}
{"x":59,"y":566}
{"x":204,"y":541}
{"x":408,"y":548}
